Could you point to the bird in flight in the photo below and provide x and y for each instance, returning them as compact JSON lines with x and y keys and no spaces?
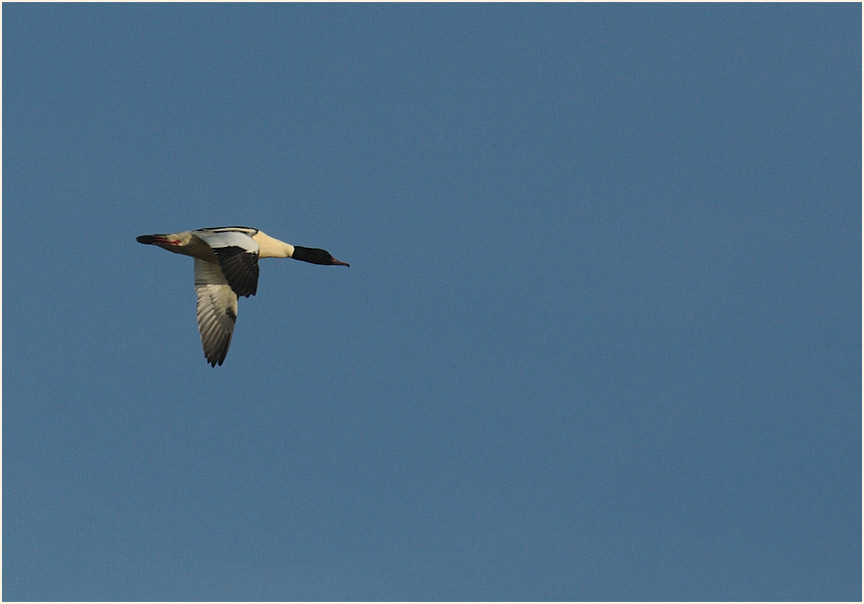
{"x":226,"y":266}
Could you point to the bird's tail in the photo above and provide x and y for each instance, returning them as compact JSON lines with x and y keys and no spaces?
{"x":149,"y":239}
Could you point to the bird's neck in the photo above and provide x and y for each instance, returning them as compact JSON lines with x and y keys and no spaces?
{"x":269,"y":247}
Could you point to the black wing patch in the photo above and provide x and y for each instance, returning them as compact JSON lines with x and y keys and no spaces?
{"x":240,"y":267}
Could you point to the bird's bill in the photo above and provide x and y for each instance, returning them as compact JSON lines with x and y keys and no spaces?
{"x":340,"y":263}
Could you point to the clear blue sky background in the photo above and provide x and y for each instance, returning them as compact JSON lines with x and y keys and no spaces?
{"x":600,"y":337}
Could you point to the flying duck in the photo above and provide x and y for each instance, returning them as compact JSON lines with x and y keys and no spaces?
{"x":226,"y":266}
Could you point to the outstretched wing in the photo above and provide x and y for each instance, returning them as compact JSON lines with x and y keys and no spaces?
{"x":237,"y":253}
{"x":217,"y":310}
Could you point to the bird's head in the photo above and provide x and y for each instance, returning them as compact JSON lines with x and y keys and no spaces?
{"x":316,"y":256}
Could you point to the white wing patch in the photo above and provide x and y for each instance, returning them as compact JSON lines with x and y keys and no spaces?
{"x":228,"y":238}
{"x":217,"y":310}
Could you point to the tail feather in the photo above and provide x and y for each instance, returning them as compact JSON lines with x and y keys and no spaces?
{"x":149,"y":239}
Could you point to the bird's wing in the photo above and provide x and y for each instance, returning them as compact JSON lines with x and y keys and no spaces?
{"x":217,"y":310}
{"x":237,"y":253}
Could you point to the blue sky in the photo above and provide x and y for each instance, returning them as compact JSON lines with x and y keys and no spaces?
{"x":600,"y":338}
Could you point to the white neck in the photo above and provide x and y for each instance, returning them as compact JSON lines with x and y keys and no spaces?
{"x":268,"y":247}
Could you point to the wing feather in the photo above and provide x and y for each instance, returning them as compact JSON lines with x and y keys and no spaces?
{"x":237,"y":253}
{"x":217,"y":310}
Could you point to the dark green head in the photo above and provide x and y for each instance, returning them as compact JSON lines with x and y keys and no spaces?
{"x":316,"y":256}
